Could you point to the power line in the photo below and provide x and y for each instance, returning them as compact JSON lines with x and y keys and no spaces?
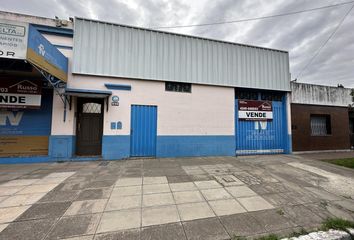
{"x":324,"y":44}
{"x":254,"y":19}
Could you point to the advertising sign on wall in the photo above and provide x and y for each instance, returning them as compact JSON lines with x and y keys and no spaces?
{"x":253,"y":110}
{"x":13,"y":39}
{"x":20,"y":93}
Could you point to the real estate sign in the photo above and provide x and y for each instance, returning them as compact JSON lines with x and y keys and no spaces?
{"x":13,"y":39}
{"x":254,"y":110}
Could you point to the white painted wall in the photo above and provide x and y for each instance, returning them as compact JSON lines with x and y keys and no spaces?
{"x":208,"y":110}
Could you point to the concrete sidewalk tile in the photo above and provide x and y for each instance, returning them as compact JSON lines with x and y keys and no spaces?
{"x":242,"y":224}
{"x":38,"y":188}
{"x":132,"y":234}
{"x":49,"y":181}
{"x":159,"y":215}
{"x":123,"y":182}
{"x":172,"y":231}
{"x":302,"y":216}
{"x":60,"y":175}
{"x":157,"y":199}
{"x":154,"y":180}
{"x":206,"y":229}
{"x":207,"y":184}
{"x":73,"y":226}
{"x":272,"y":220}
{"x":94,"y":193}
{"x":188,"y":197}
{"x":27,"y":230}
{"x":84,"y":237}
{"x":215,"y":194}
{"x":123,"y":202}
{"x":255,"y":203}
{"x":60,"y":196}
{"x":191,"y":211}
{"x":6,"y":191}
{"x":86,"y":207}
{"x":45,"y":210}
{"x":226,"y":207}
{"x":120,"y":220}
{"x":240,"y":191}
{"x":11,"y":213}
{"x":3,"y":226}
{"x":183,"y":186}
{"x":127,"y":191}
{"x":21,"y":200}
{"x":19,"y":182}
{"x":155,"y":188}
{"x":100,"y":184}
{"x":347,"y":204}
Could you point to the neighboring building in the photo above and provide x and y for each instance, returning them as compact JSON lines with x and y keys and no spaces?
{"x":133,"y":92}
{"x":321,"y":117}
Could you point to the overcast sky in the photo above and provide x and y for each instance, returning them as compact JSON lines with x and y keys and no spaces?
{"x":300,"y":34}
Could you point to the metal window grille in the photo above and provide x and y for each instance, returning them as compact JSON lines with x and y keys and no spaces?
{"x":319,"y":126}
{"x":91,"y":108}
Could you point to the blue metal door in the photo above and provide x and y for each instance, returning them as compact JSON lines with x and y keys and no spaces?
{"x":143,"y":131}
{"x":261,"y":137}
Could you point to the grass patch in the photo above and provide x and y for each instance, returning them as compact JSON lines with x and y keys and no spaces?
{"x":299,"y":233}
{"x":337,"y":223}
{"x":269,"y":237}
{"x":345,"y":162}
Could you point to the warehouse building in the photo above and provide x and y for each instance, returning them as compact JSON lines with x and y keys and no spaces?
{"x":134,"y":92}
{"x":321,"y":117}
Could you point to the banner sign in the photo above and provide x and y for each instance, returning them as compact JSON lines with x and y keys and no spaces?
{"x":253,"y":110}
{"x":20,"y":93}
{"x":23,"y":41}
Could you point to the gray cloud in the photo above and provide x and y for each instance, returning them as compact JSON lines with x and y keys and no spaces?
{"x":300,"y":34}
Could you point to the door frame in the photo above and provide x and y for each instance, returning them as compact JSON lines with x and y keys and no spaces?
{"x":79,"y":102}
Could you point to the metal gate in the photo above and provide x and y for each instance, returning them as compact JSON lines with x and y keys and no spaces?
{"x":261,"y":137}
{"x":143,"y":131}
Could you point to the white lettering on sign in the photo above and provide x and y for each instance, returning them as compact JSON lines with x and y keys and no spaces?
{"x":14,"y":118}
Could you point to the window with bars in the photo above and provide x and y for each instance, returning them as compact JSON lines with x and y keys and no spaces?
{"x":320,"y":125}
{"x":178,"y":87}
{"x":91,"y":108}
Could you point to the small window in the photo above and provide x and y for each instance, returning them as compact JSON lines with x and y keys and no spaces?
{"x":272,"y":96}
{"x":320,"y":125}
{"x":246,"y":94}
{"x":91,"y":108}
{"x":178,"y":87}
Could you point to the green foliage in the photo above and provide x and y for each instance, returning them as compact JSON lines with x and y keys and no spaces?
{"x":345,"y":162}
{"x":337,"y":223}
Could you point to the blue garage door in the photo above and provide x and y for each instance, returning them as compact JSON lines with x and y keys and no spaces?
{"x":143,"y":131}
{"x":261,"y":137}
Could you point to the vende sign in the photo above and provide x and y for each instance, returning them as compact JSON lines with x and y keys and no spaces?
{"x":253,"y":110}
{"x":20,"y":94}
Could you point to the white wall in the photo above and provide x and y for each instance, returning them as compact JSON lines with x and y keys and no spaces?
{"x":208,"y":110}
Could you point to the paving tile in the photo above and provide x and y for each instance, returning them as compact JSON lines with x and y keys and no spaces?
{"x":21,"y":200}
{"x":272,"y":221}
{"x":38,"y":188}
{"x":229,"y":180}
{"x":86,"y":207}
{"x":11,"y":213}
{"x":73,"y":226}
{"x":240,"y":191}
{"x":188,"y":197}
{"x":154,"y":180}
{"x":60,"y":196}
{"x":49,"y":181}
{"x":120,"y":220}
{"x":206,"y":229}
{"x":3,"y":226}
{"x":207,"y":184}
{"x":123,"y":202}
{"x":123,"y":182}
{"x":242,"y":224}
{"x":60,"y":175}
{"x":179,"y":179}
{"x":2,"y":198}
{"x":85,"y":237}
{"x":133,"y":234}
{"x":19,"y":182}
{"x":254,"y":203}
{"x":6,"y":191}
{"x":215,"y":194}
{"x":347,"y":204}
{"x":183,"y":186}
{"x":45,"y":210}
{"x":96,"y":193}
{"x":159,"y":215}
{"x":100,"y":184}
{"x":322,"y":194}
{"x":156,"y":188}
{"x":68,"y":186}
{"x":302,"y":216}
{"x":226,"y":207}
{"x":173,"y":231}
{"x":157,"y":199}
{"x":127,"y":191}
{"x":191,"y":211}
{"x":27,"y":230}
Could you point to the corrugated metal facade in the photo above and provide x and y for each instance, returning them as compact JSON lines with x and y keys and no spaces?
{"x":122,"y":51}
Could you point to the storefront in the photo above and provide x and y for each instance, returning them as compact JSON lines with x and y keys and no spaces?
{"x":32,"y":70}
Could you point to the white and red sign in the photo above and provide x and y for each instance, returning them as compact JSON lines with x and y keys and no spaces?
{"x":20,"y":94}
{"x":253,"y":110}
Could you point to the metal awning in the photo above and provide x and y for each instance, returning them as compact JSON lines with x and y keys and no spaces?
{"x":87,"y":93}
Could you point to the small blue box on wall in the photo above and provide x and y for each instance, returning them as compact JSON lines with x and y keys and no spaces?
{"x":113,"y":125}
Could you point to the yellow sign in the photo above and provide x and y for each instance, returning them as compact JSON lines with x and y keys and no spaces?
{"x":12,"y":146}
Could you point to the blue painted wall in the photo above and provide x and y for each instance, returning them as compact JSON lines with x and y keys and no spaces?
{"x":115,"y":147}
{"x":188,"y":146}
{"x":61,"y":147}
